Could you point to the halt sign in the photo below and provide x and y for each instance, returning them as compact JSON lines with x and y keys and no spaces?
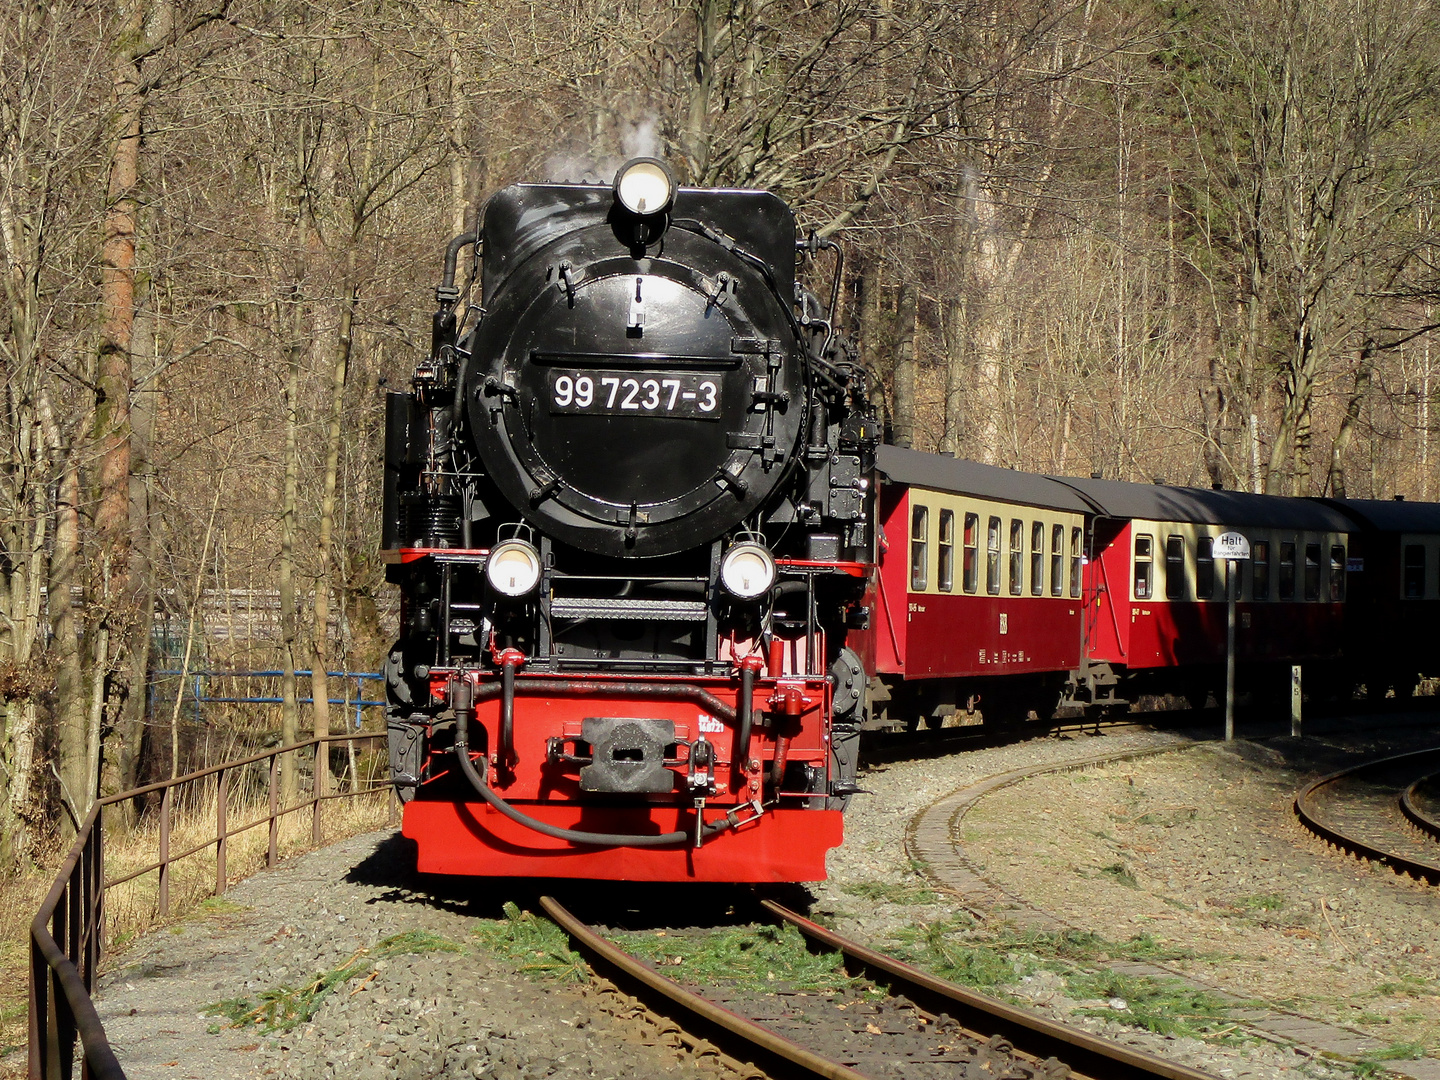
{"x":1232,"y":546}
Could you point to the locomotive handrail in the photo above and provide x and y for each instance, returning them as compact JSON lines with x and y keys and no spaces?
{"x":66,"y":934}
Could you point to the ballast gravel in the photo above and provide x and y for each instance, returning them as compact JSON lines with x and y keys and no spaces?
{"x":1044,"y":843}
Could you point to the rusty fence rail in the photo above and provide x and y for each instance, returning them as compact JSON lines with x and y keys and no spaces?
{"x":67,"y":933}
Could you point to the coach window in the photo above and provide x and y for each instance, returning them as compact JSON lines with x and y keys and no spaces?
{"x":1260,"y":582}
{"x":1057,"y":560}
{"x":971,"y":568}
{"x":1337,"y":572}
{"x":1204,"y":568}
{"x":1414,"y":571}
{"x":1144,"y":565}
{"x":1312,"y":571}
{"x":1174,"y":567}
{"x":1076,"y":536}
{"x":1017,"y":556}
{"x":992,"y":557}
{"x":1037,"y":558}
{"x":919,"y":546}
{"x":1287,"y":570}
{"x":945,"y":577}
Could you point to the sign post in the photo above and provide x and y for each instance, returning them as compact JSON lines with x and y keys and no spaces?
{"x":1235,"y":550}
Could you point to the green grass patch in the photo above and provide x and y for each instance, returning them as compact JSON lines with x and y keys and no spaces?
{"x":1408,"y":986}
{"x":1371,"y":1063}
{"x":995,"y":960}
{"x":1121,"y":873}
{"x":949,"y":949}
{"x":536,"y":946}
{"x":1164,"y":1006}
{"x":284,"y":1007}
{"x":893,"y":893}
{"x":744,"y":954}
{"x":218,"y":905}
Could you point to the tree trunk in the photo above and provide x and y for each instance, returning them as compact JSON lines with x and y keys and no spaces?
{"x":323,"y":585}
{"x":112,"y":425}
{"x":142,"y":580}
{"x":1359,"y":391}
{"x":957,"y":377}
{"x":906,"y":314}
{"x":289,"y":610}
{"x":872,"y":334}
{"x":697,"y":122}
{"x":71,"y":716}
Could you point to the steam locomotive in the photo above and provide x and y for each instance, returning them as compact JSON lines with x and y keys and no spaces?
{"x":628,"y":506}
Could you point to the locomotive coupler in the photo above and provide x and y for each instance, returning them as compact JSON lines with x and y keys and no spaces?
{"x":701,"y":776}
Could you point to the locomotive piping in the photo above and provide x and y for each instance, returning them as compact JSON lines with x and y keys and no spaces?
{"x":507,"y":713}
{"x":744,"y":710}
{"x":445,"y":291}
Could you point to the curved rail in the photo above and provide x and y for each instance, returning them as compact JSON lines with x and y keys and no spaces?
{"x":1035,"y":1036}
{"x":1426,"y":823}
{"x":1307,"y":809}
{"x":980,"y":1017}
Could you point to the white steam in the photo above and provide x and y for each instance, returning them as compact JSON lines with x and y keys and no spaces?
{"x":635,"y":138}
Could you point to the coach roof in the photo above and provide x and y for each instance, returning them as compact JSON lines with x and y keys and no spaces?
{"x":1389,"y":515}
{"x":1161,"y":502}
{"x":939,"y":472}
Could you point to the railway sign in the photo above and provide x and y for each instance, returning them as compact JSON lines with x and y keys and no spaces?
{"x":1232,"y":545}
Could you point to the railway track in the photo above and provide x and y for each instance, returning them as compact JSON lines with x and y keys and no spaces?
{"x":1387,"y":811}
{"x":919,"y":1025}
{"x":1420,"y":803}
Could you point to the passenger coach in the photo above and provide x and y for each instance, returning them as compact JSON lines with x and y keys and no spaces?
{"x":980,"y":589}
{"x":1156,"y":594}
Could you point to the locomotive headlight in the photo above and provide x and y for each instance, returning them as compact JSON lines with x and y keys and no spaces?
{"x":513,"y":568}
{"x":748,"y":570}
{"x":644,"y":186}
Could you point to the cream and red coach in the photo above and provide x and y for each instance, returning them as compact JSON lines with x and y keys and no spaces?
{"x":980,"y":588}
{"x":1156,"y":611}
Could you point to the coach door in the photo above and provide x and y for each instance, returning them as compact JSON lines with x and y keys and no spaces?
{"x":1107,"y":592}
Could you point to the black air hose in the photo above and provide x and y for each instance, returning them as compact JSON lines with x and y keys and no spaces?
{"x":573,"y":836}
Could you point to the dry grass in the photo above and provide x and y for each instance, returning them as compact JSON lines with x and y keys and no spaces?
{"x":132,"y":908}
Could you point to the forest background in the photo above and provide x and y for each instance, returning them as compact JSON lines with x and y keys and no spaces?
{"x":1144,"y":239}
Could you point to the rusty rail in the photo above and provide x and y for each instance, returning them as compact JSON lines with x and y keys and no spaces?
{"x":67,"y":933}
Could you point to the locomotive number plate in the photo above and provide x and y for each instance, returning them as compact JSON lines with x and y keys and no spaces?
{"x":690,"y":395}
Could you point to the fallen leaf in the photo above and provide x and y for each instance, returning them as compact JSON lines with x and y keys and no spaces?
{"x":873,"y":1030}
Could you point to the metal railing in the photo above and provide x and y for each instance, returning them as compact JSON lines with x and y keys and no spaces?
{"x":196,"y":695}
{"x":66,"y":934}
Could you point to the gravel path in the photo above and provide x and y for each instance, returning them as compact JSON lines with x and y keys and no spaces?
{"x":409,"y":1017}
